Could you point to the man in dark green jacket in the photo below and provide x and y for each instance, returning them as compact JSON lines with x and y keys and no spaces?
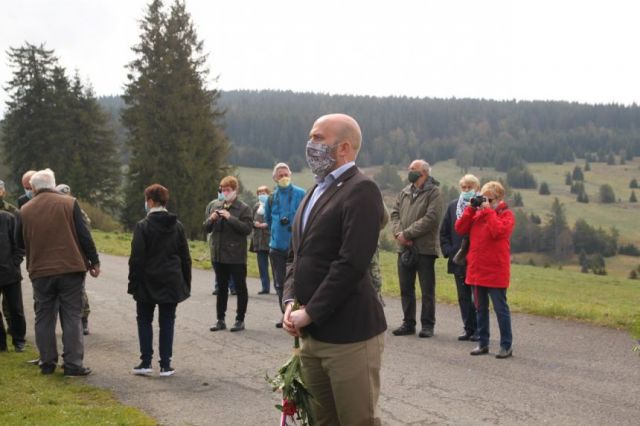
{"x":415,"y":221}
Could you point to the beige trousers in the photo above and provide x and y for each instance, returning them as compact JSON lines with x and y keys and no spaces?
{"x":344,"y":380}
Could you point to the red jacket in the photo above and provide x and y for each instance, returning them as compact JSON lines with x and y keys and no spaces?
{"x":488,"y":259}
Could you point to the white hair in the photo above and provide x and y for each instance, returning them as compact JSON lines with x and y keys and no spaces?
{"x":43,"y":179}
{"x":425,"y":166}
{"x":280,"y":166}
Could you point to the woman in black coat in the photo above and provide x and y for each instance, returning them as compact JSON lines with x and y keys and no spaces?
{"x":159,"y":274}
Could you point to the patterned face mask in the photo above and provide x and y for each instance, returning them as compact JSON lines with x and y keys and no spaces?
{"x":319,"y":158}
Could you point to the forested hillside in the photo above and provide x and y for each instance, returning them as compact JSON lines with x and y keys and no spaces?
{"x":268,"y":126}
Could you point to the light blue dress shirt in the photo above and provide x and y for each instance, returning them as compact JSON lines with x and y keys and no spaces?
{"x":322,"y":186}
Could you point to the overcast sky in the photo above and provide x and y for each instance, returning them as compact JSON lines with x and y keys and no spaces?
{"x":585,"y":51}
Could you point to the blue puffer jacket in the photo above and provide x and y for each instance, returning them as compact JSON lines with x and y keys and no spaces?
{"x":283,"y":203}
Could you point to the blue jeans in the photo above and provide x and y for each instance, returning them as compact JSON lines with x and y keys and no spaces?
{"x":263,"y":267}
{"x":166,"y":318}
{"x":499,"y":300}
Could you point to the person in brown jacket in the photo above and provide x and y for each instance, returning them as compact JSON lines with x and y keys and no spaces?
{"x":415,"y":221}
{"x":59,"y":251}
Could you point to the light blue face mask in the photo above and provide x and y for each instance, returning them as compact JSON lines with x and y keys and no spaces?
{"x":468,"y":195}
{"x":220,"y":196}
{"x":146,"y":207}
{"x":28,"y":193}
{"x":263,"y":198}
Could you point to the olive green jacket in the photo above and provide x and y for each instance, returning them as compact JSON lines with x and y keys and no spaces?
{"x":417,"y":214}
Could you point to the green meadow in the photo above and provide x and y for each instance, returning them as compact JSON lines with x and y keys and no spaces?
{"x":558,"y":293}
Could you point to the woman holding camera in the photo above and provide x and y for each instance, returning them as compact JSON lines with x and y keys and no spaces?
{"x":489,"y":223}
{"x":229,"y":228}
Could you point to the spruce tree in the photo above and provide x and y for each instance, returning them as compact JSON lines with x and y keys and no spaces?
{"x":607,"y":195}
{"x":53,"y":122}
{"x":544,"y":189}
{"x":633,"y":183}
{"x":577,"y":173}
{"x":632,"y":198}
{"x":173,"y":122}
{"x":568,"y":180}
{"x":27,"y":140}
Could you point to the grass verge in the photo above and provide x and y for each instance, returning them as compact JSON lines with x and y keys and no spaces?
{"x":29,"y":398}
{"x":556,"y":293}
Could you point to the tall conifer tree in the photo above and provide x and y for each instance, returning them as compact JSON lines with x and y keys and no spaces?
{"x":53,"y":122}
{"x":173,"y":122}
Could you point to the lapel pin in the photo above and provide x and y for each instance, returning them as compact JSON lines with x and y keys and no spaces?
{"x":339,"y":184}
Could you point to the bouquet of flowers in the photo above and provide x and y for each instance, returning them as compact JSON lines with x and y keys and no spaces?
{"x":296,"y":399}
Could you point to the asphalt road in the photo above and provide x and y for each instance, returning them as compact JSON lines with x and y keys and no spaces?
{"x":562,"y":373}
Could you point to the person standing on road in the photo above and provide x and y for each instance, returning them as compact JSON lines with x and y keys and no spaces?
{"x":59,"y":251}
{"x":229,"y":227}
{"x":341,"y":319}
{"x":214,"y":205}
{"x":86,"y":308}
{"x":5,"y":206}
{"x":489,"y":223}
{"x":279,"y":211}
{"x":260,"y":237}
{"x":415,"y":222}
{"x":10,"y":283}
{"x":450,"y":242}
{"x":159,"y":274}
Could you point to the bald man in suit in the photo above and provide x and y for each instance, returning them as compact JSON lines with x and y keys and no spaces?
{"x":341,"y":320}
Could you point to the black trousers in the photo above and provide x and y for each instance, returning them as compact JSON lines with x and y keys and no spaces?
{"x":279,"y":268}
{"x":467,"y":308}
{"x":239,"y":273}
{"x":425,"y":269}
{"x":16,"y":324}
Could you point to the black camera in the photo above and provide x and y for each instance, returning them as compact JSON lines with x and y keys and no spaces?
{"x":284,"y":221}
{"x":477,"y":201}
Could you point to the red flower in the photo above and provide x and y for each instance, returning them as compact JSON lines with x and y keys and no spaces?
{"x":289,"y":407}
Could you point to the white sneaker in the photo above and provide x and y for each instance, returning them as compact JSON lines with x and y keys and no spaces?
{"x":166,"y":372}
{"x":142,"y":370}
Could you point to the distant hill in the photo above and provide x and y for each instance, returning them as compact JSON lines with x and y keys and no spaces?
{"x":270,"y":126}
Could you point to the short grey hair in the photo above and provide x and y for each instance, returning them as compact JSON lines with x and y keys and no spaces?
{"x":425,"y":166}
{"x":43,"y":179}
{"x":280,"y":166}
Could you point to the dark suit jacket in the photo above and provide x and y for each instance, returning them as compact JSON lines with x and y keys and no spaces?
{"x":328,"y":262}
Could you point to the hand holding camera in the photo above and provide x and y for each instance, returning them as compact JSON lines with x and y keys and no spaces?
{"x":477,"y":201}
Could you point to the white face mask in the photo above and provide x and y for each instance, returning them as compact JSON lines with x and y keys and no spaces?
{"x":229,"y":196}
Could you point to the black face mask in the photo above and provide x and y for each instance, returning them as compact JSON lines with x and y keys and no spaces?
{"x":414,"y":176}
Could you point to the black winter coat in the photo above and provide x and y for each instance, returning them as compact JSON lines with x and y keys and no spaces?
{"x":160,"y":263}
{"x":450,"y":240}
{"x":10,"y":255}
